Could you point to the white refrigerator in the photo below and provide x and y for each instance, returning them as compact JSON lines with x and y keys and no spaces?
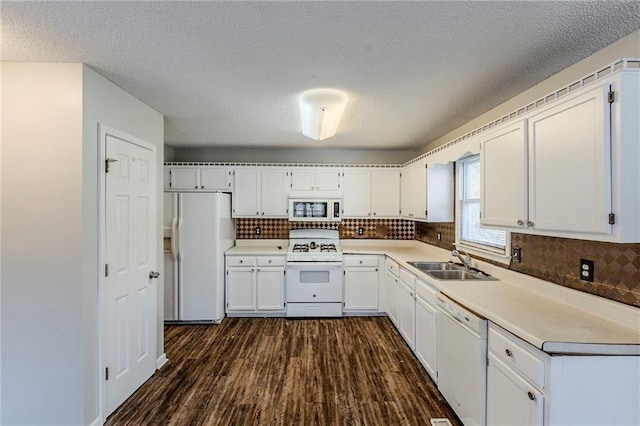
{"x":198,"y":230}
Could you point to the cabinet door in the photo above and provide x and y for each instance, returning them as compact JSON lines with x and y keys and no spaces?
{"x":440,"y":193}
{"x":241,"y":284}
{"x":327,"y":179}
{"x":274,"y":191}
{"x":357,"y":193}
{"x":385,"y":192}
{"x":246,"y":192}
{"x":270,"y":289}
{"x":425,"y":344}
{"x":511,"y":400}
{"x":418,"y":194}
{"x":215,"y":178}
{"x":184,"y":178}
{"x":302,"y":179}
{"x":407,"y":314}
{"x":361,"y":289}
{"x":503,"y":176}
{"x":391,"y":296}
{"x":406,"y":182}
{"x":570,"y":165}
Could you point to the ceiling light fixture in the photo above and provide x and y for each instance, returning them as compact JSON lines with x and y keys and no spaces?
{"x":321,"y":110}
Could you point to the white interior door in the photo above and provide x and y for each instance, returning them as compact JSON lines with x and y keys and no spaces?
{"x":130,"y":252}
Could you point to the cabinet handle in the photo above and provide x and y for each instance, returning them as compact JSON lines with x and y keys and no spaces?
{"x":269,"y":260}
{"x":531,"y":396}
{"x":262,"y":213}
{"x":258,"y":269}
{"x":201,"y":186}
{"x":529,"y":224}
{"x":374,"y":213}
{"x":257,"y":213}
{"x":361,"y":262}
{"x":241,"y":261}
{"x":196,"y":187}
{"x":369,"y":213}
{"x":520,"y":222}
{"x":252,"y":270}
{"x":508,"y":352}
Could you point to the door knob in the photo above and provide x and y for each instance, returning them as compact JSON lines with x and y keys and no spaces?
{"x":154,"y":274}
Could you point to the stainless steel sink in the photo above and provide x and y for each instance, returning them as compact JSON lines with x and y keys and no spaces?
{"x":449,"y":271}
{"x":456,"y":274}
{"x":433,"y":266}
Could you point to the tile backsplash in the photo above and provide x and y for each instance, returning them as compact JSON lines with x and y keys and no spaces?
{"x":388,"y":229}
{"x":616,"y":266}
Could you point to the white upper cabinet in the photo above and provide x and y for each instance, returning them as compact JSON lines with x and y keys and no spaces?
{"x":385,"y":197}
{"x":201,"y":178}
{"x":315,"y":179}
{"x":413,"y":193}
{"x":246,"y":192}
{"x":550,"y":173}
{"x":426,"y":192}
{"x":440,"y":193}
{"x":275,"y":184}
{"x":260,"y":192}
{"x":371,"y":192}
{"x":357,"y":192}
{"x":503,"y":182}
{"x":570,"y":165}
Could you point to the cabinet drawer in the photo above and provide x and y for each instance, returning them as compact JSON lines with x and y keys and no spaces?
{"x":426,"y":292}
{"x":408,"y":278}
{"x":241,"y":261}
{"x":392,"y":267}
{"x":514,"y":354}
{"x":361,"y":261}
{"x":271,"y":261}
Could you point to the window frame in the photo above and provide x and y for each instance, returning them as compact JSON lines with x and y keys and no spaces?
{"x":493,"y":253}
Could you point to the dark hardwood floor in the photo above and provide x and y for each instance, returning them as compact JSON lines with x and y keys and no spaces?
{"x":346,"y":371}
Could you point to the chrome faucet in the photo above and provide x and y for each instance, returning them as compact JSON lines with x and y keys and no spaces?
{"x":466,"y":259}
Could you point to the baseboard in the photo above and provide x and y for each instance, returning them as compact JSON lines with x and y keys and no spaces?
{"x":96,"y":422}
{"x":161,"y":361}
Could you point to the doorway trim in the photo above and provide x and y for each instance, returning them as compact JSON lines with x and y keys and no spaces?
{"x":104,"y":131}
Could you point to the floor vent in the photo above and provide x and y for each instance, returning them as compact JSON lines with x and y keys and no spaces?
{"x":440,"y":422}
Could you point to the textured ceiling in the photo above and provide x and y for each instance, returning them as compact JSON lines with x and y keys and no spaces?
{"x":229,"y":73}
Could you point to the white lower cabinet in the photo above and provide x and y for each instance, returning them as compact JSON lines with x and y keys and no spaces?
{"x":392,"y":283}
{"x":511,"y":400}
{"x":407,"y":307}
{"x":425,"y":332}
{"x":361,"y":284}
{"x":255,"y":285}
{"x":526,"y":386}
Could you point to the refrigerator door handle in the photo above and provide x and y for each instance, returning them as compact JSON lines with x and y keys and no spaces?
{"x":174,"y":238}
{"x":178,"y":289}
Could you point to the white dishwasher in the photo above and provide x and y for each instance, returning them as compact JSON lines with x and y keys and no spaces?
{"x":462,"y":360}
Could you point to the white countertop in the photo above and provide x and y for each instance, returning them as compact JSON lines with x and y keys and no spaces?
{"x":553,"y":318}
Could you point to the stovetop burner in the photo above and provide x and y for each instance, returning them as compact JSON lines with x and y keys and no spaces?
{"x":300,"y":248}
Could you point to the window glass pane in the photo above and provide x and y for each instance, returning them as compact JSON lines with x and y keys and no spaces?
{"x":469,"y":190}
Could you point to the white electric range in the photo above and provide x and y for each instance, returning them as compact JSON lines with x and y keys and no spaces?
{"x":314,"y":273}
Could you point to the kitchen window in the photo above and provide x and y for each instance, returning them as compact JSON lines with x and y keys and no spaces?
{"x":492,"y":244}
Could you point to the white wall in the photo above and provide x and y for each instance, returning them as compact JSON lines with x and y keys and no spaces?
{"x":323,"y":156}
{"x":626,"y":47}
{"x":106,"y":103}
{"x":49,"y":300}
{"x":42,"y":324}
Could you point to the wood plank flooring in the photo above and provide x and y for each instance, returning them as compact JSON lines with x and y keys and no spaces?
{"x":347,"y":371}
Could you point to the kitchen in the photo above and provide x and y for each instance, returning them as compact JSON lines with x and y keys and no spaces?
{"x":546,"y":256}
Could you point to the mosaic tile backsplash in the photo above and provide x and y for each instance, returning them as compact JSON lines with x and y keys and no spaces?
{"x":616,"y":266}
{"x":278,"y":229}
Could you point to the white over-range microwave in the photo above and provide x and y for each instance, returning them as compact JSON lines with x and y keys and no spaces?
{"x":314,"y":210}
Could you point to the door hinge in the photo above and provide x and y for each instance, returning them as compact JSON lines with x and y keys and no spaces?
{"x":106,"y":269}
{"x":426,"y":165}
{"x":284,"y":272}
{"x":612,"y":218}
{"x":107,"y":162}
{"x":106,"y":373}
{"x":611,"y":96}
{"x":425,"y":213}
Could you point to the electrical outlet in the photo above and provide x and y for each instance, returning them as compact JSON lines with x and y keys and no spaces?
{"x":439,"y":236}
{"x":586,"y":270}
{"x":516,"y":254}
{"x":360,"y":230}
{"x":258,"y":230}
